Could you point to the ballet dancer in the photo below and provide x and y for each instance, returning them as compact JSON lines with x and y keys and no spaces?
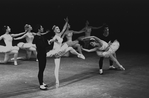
{"x":104,"y":49}
{"x":59,"y":49}
{"x":41,"y":47}
{"x":88,"y":30}
{"x":106,"y":37}
{"x":9,"y":49}
{"x":28,"y":46}
{"x":69,"y":34}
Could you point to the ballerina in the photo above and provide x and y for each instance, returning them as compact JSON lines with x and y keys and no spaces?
{"x":59,"y":49}
{"x":88,"y":30}
{"x":28,"y":46}
{"x":9,"y":49}
{"x":104,"y":49}
{"x":106,"y":37}
{"x":73,"y":43}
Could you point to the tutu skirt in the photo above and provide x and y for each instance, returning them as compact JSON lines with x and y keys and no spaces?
{"x":12,"y":49}
{"x":112,"y":49}
{"x":26,"y":45}
{"x":58,"y":52}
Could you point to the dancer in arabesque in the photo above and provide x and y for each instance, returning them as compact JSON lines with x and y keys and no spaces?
{"x":60,"y":49}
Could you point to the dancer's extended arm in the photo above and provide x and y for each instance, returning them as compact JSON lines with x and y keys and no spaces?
{"x":96,"y":27}
{"x":89,"y":50}
{"x":20,"y":37}
{"x":45,"y":32}
{"x":92,"y":37}
{"x":15,"y":35}
{"x":78,"y":32}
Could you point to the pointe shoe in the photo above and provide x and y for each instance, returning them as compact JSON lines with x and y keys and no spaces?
{"x":122,"y":68}
{"x":42,"y":87}
{"x":112,"y":68}
{"x":81,"y":56}
{"x":57,"y":85}
{"x":15,"y":63}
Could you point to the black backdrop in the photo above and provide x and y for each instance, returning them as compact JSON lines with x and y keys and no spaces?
{"x":127,"y":19}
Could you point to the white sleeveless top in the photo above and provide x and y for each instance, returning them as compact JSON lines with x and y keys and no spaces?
{"x":104,"y":45}
{"x":8,"y":40}
{"x":69,"y":36}
{"x":29,"y":37}
{"x":58,"y":42}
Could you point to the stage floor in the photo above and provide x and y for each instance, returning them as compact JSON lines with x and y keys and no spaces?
{"x":78,"y":78}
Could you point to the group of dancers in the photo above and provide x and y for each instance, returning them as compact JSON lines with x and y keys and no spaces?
{"x":37,"y":43}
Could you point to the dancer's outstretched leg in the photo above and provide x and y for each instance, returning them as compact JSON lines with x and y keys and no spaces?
{"x":51,"y":53}
{"x":79,"y":48}
{"x":116,"y":61}
{"x":73,"y":51}
{"x":56,"y":71}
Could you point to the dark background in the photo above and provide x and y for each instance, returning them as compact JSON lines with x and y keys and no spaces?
{"x":127,"y":19}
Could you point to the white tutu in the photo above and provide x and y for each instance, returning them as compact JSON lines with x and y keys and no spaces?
{"x":112,"y":49}
{"x":4,"y":49}
{"x":58,"y":52}
{"x":26,"y":45}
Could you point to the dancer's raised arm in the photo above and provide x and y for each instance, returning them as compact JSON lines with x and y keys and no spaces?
{"x":65,"y":26}
{"x":89,"y":50}
{"x":43,"y":33}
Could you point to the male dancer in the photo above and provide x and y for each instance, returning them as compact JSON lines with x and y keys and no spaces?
{"x":108,"y":38}
{"x":41,"y":46}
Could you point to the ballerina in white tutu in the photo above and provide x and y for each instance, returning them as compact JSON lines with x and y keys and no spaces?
{"x":59,"y":49}
{"x":9,"y":49}
{"x":104,"y":49}
{"x":28,"y":46}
